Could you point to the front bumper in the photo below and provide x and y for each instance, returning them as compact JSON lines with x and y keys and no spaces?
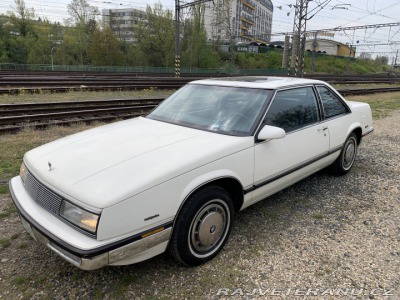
{"x":95,"y":258}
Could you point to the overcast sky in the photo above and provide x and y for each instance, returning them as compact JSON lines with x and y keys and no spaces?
{"x":326,"y":14}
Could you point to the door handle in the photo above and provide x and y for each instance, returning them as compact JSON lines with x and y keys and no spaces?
{"x":323,"y":128}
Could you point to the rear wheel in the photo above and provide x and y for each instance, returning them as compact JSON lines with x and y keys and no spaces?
{"x":345,"y":161}
{"x":202,"y":227}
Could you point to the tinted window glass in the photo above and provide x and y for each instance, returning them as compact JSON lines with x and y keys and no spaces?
{"x":293,"y":109}
{"x":331,"y":103}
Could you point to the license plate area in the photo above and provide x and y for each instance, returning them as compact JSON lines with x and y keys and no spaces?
{"x":27,"y":227}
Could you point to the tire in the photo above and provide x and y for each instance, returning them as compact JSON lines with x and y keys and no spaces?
{"x":345,"y":161}
{"x":202,"y":226}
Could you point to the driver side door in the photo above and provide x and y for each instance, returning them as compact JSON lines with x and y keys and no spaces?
{"x":281,"y":162}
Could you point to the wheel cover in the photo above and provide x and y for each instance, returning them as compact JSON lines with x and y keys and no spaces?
{"x":349,"y":153}
{"x":209,"y":228}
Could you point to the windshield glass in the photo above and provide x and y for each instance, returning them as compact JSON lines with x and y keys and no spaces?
{"x":227,"y":110}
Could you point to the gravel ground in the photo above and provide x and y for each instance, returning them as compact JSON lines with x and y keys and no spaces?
{"x":323,"y":234}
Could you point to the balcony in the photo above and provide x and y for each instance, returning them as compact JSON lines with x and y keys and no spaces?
{"x":247,"y":20}
{"x":249,"y":4}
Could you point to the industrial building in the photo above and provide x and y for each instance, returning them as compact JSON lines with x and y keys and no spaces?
{"x":330,"y":47}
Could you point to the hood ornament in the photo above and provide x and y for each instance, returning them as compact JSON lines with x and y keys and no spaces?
{"x":50,"y":167}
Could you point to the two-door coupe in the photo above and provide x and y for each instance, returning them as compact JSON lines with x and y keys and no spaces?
{"x":124,"y":192}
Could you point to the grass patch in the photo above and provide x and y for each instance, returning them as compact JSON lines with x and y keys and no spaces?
{"x":123,"y":283}
{"x":318,"y":216}
{"x":15,"y":236}
{"x":39,"y":280}
{"x":5,"y":243}
{"x":4,"y":190}
{"x":20,"y":280}
{"x":7,"y":212}
{"x":23,"y":245}
{"x":381,"y":104}
{"x":82,"y":96}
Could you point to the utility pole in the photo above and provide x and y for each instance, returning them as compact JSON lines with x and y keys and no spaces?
{"x":178,"y":8}
{"x":314,"y":50}
{"x":299,"y":37}
{"x":285,"y":58}
{"x":177,"y":40}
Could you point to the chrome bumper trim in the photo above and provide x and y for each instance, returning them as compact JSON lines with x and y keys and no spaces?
{"x":107,"y":258}
{"x":368,"y":131}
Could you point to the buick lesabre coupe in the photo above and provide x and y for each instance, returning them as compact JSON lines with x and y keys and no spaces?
{"x":124,"y":192}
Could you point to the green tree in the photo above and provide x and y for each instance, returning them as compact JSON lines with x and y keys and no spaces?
{"x":4,"y":39}
{"x":156,"y":38}
{"x":196,"y":52}
{"x":71,"y":50}
{"x":104,"y":49}
{"x":83,"y":18}
{"x":17,"y":50}
{"x":81,"y":12}
{"x":22,"y":17}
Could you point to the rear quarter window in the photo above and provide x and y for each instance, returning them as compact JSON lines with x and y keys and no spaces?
{"x":331,"y":103}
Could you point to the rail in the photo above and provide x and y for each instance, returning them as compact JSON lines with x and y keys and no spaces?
{"x":14,"y":117}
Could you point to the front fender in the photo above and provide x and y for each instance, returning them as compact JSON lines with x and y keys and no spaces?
{"x":204,"y":179}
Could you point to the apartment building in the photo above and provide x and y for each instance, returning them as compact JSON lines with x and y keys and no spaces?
{"x":241,"y":21}
{"x":123,"y":22}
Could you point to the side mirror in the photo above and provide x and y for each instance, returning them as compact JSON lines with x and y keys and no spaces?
{"x":271,"y":133}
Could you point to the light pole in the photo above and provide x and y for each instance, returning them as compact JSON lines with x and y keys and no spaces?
{"x":178,"y":8}
{"x":52,"y":60}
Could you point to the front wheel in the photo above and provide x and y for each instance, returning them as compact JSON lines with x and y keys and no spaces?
{"x":202,"y":226}
{"x":345,"y":161}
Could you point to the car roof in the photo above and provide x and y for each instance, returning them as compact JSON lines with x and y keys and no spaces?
{"x":261,"y":82}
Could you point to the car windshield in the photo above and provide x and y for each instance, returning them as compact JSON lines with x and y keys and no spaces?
{"x":221,"y":109}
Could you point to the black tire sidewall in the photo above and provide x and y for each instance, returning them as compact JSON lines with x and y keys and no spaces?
{"x":180,"y":240}
{"x":339,"y":169}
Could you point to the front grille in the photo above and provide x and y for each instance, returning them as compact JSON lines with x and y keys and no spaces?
{"x":42,"y":195}
{"x":48,"y":200}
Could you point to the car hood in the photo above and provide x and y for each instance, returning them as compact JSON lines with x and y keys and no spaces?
{"x":103,"y":166}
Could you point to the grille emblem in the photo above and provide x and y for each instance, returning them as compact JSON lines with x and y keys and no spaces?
{"x":50,"y":167}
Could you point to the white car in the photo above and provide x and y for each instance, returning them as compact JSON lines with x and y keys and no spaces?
{"x":124,"y":192}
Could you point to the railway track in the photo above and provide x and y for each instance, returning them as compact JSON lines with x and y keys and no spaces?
{"x":14,"y":117}
{"x":354,"y":92}
{"x":11,"y":84}
{"x":63,"y":82}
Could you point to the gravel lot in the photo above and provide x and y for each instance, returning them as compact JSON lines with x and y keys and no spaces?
{"x":320,"y":235}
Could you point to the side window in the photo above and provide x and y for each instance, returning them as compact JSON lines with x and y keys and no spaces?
{"x":331,"y":103}
{"x":293,"y":109}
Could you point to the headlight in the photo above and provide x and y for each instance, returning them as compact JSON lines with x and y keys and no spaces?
{"x":22,"y":172}
{"x":79,"y":217}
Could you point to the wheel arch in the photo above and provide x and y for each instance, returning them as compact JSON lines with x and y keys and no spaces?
{"x":356,"y":129}
{"x":229,"y":183}
{"x":358,"y":132}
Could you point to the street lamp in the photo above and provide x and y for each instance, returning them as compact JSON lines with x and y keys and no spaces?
{"x":52,"y":60}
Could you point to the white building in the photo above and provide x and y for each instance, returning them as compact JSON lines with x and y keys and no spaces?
{"x":243,"y":21}
{"x":123,"y":22}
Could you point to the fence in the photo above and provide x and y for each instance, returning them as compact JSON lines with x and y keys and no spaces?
{"x":149,"y":70}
